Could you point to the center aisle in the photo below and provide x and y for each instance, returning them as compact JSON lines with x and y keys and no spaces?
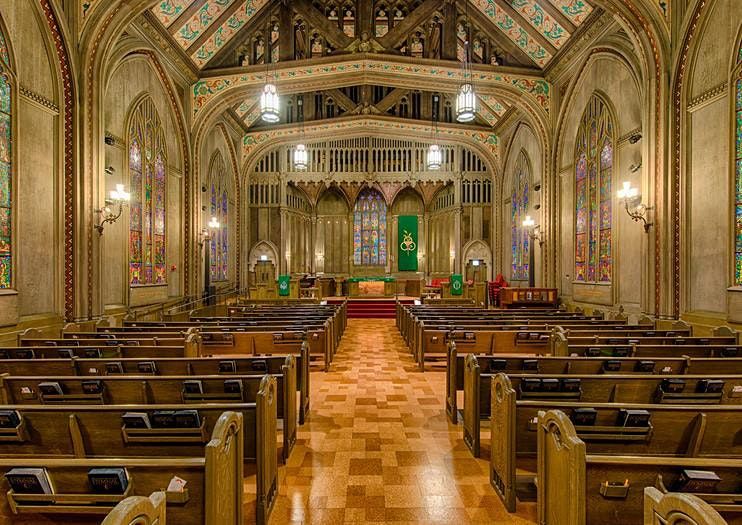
{"x":377,"y":446}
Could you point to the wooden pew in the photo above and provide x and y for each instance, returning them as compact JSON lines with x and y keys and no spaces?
{"x":533,"y":364}
{"x":676,"y":508}
{"x":167,"y":366}
{"x":139,"y":510}
{"x":606,"y":388}
{"x":672,"y":430}
{"x":158,"y":390}
{"x":97,"y":351}
{"x":214,"y":490}
{"x":706,"y":349}
{"x":577,"y":488}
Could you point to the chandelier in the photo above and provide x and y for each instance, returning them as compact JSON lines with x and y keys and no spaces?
{"x":435,"y":157}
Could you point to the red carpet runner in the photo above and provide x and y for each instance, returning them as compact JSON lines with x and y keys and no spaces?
{"x":371,"y":308}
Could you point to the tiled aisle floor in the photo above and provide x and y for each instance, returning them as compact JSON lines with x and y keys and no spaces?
{"x":377,"y":446}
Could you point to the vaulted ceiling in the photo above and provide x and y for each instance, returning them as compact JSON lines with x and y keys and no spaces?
{"x":220,"y":33}
{"x":220,"y":36}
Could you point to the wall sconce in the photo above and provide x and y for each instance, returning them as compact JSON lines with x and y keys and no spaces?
{"x":119,"y":197}
{"x":475,"y":262}
{"x":205,"y":234}
{"x":534,"y":230}
{"x":633,"y":203}
{"x":263,"y":257}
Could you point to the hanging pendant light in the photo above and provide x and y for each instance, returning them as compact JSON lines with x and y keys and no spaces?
{"x":466,"y":99}
{"x":300,"y":157}
{"x":435,"y":157}
{"x":300,"y":152}
{"x":269,"y":107}
{"x":466,"y":103}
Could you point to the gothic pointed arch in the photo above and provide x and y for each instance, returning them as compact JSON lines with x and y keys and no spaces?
{"x":370,"y":229}
{"x":220,"y":208}
{"x":520,"y":193}
{"x":737,"y":168}
{"x":147,"y":179}
{"x":593,"y":194}
{"x":7,"y":166}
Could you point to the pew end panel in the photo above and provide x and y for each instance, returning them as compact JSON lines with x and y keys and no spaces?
{"x":289,"y":412}
{"x":678,"y":509}
{"x":502,"y":442}
{"x":224,"y":464}
{"x":139,"y":510}
{"x":472,"y":423}
{"x":267,"y":466}
{"x":561,"y":471}
{"x":451,"y":383}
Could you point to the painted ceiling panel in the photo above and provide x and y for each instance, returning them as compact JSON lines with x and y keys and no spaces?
{"x":167,"y":11}
{"x":542,"y":22}
{"x":576,"y":10}
{"x":201,"y":20}
{"x":514,"y":31}
{"x":497,"y":107}
{"x":227,"y":30}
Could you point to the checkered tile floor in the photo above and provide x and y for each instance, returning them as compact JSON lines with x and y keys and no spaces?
{"x":377,"y":446}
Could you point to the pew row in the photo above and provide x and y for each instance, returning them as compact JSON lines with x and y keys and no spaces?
{"x":213,"y":493}
{"x":577,"y":488}
{"x":606,"y":428}
{"x":533,"y":364}
{"x":157,"y":390}
{"x":166,"y":366}
{"x":607,"y":388}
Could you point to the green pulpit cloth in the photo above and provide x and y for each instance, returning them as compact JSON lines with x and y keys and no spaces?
{"x":407,"y":239}
{"x":457,"y":284}
{"x":284,"y":285}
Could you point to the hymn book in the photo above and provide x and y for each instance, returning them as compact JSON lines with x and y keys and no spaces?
{"x":29,"y":481}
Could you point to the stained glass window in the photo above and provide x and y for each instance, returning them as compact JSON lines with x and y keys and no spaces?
{"x":593,"y":194}
{"x":369,"y":229}
{"x":520,"y":242}
{"x":147,"y":181}
{"x":219,"y":200}
{"x":6,"y":171}
{"x":738,"y":175}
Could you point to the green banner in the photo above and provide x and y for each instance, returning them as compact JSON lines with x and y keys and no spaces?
{"x":407,"y":240}
{"x":284,"y":285}
{"x":457,"y":284}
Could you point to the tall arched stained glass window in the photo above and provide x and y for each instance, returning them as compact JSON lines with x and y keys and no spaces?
{"x":369,"y":229}
{"x":520,"y":242}
{"x":6,"y":168}
{"x":147,"y":181}
{"x":593,"y":205}
{"x":219,"y":200}
{"x":738,"y":172}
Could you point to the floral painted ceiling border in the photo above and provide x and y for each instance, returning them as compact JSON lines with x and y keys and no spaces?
{"x":576,"y":10}
{"x":206,"y":90}
{"x":168,"y":11}
{"x":202,"y":23}
{"x":514,"y":31}
{"x":227,"y":31}
{"x":542,"y":22}
{"x":486,"y":140}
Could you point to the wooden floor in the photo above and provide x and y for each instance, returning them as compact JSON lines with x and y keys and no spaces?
{"x":377,"y":446}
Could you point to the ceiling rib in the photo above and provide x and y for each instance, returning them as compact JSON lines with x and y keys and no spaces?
{"x":231,"y":10}
{"x":401,"y":30}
